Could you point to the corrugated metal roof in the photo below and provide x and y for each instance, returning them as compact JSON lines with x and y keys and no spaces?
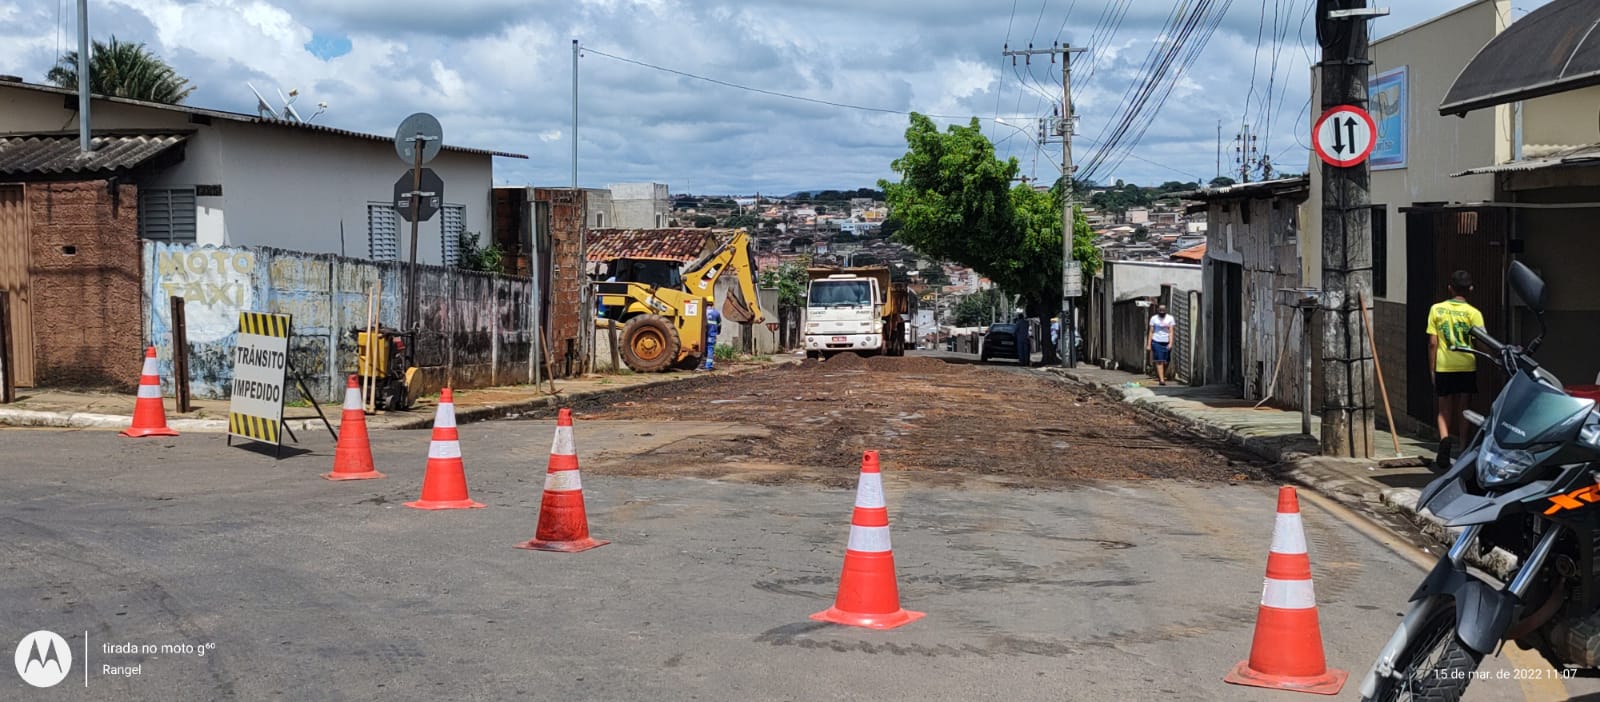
{"x":247,"y":118}
{"x":1587,"y":155}
{"x":1553,"y":49}
{"x":683,"y":245}
{"x":58,"y":154}
{"x":1265,"y":188}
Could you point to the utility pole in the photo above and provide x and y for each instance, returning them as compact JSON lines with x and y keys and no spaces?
{"x":1219,"y":148}
{"x":1071,"y":272}
{"x":1245,"y":150}
{"x":1347,"y":367}
{"x":84,"y":143}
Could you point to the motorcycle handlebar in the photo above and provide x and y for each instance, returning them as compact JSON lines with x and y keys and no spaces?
{"x":1483,"y":338}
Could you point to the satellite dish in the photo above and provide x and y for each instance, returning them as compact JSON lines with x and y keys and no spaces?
{"x":263,"y":108}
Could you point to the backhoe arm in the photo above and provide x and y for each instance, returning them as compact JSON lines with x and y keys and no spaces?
{"x":736,"y":255}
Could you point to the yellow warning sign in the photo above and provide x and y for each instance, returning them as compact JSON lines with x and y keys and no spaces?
{"x":260,"y":375}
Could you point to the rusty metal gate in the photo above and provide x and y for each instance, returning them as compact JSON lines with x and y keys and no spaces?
{"x":1184,"y":306}
{"x":14,"y":263}
{"x":1440,"y":241}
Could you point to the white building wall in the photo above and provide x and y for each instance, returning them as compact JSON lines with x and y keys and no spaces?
{"x":285,"y":187}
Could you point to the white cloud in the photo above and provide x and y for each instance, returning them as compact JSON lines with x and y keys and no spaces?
{"x":497,"y":73}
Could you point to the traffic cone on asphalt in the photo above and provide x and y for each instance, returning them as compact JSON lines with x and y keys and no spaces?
{"x":444,"y":486}
{"x":352,"y":457}
{"x":868,"y":595}
{"x":149,"y":415}
{"x":1286,"y":653}
{"x":563,"y":522}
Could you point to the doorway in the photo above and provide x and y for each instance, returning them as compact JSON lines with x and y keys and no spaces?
{"x":14,"y":264}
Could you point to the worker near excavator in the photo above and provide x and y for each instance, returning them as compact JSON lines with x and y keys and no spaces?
{"x":713,"y":327}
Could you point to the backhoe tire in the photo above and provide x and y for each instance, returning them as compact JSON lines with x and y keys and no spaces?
{"x":649,"y":344}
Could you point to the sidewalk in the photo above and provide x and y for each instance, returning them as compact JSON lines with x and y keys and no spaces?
{"x":1381,"y":487}
{"x":87,"y":410}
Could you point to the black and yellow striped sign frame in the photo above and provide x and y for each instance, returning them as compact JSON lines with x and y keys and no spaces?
{"x":264,"y":324}
{"x":268,"y":430}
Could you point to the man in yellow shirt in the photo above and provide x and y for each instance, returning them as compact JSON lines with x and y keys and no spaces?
{"x":1455,"y":373}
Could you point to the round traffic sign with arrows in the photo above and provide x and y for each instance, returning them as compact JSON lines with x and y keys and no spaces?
{"x":1344,"y":136}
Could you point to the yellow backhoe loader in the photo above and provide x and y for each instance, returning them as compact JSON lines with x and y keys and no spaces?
{"x":662,"y":309}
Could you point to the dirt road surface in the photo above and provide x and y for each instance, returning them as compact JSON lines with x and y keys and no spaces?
{"x":948,"y":422}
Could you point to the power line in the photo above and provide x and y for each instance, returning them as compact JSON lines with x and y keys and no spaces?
{"x":763,"y":91}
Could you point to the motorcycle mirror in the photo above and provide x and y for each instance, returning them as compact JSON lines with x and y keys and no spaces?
{"x":1528,"y":286}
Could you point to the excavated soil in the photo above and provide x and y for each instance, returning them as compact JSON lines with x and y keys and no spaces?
{"x":947,"y":422}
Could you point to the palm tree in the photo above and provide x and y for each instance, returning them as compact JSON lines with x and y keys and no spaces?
{"x":126,"y":70}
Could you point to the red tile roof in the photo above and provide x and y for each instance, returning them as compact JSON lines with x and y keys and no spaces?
{"x":673,"y":244}
{"x":1193,"y":253}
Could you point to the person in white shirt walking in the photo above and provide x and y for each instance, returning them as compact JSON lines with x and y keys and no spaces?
{"x":1159,"y":341}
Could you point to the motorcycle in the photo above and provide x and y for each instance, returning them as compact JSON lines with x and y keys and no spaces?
{"x":1526,"y":483}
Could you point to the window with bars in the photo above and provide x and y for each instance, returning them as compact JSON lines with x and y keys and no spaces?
{"x":453,"y":224}
{"x":383,"y":232}
{"x":167,"y":214}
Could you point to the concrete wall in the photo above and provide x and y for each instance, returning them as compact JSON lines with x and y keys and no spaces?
{"x":1136,"y":279}
{"x":282,"y":186}
{"x":85,"y":275}
{"x":639,"y":205}
{"x":1433,"y":54}
{"x":1563,"y":119}
{"x":476,"y":327}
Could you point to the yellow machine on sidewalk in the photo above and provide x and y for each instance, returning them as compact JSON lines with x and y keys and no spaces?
{"x":662,"y":310}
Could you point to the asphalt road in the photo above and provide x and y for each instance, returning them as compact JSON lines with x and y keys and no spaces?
{"x":334,"y":591}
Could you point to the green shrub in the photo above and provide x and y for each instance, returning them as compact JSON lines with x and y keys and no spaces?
{"x":725,"y":352}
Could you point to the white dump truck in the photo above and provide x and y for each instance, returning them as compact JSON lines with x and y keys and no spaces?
{"x":855,"y":309}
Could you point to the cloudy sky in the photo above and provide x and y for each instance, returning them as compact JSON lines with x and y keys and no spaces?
{"x":497,"y":73}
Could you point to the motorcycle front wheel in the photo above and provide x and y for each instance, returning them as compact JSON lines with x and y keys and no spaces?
{"x":1434,"y":667}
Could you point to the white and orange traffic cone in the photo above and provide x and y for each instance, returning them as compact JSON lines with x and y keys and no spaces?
{"x":1286,"y":653}
{"x":444,"y":485}
{"x":563,"y":521}
{"x":149,"y":415}
{"x":352,"y":457}
{"x":868,"y":594}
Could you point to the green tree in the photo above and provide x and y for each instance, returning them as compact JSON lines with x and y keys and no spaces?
{"x":747,"y":221}
{"x":473,"y":257}
{"x":982,"y":308}
{"x":790,"y":280}
{"x":1221,"y":182}
{"x":955,"y":202}
{"x":126,"y":70}
{"x":703,"y":221}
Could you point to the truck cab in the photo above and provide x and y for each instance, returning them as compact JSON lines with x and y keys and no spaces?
{"x":854,"y":310}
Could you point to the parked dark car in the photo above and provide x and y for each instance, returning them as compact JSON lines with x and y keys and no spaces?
{"x":999,"y":342}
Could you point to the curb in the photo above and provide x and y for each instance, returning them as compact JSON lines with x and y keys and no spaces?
{"x":90,"y":420}
{"x":1362,"y":498}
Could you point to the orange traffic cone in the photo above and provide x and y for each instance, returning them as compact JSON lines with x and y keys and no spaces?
{"x":149,"y":415}
{"x":563,"y":522}
{"x":352,"y":457}
{"x":868,"y":595}
{"x":444,"y":486}
{"x":1286,"y":653}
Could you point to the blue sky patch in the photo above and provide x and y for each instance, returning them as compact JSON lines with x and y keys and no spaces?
{"x":328,"y":46}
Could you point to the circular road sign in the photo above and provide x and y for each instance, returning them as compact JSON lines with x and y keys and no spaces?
{"x":1344,"y":136}
{"x":421,"y":126}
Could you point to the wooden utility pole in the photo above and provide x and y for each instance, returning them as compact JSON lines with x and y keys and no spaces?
{"x":1071,"y":273}
{"x":1347,"y":369}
